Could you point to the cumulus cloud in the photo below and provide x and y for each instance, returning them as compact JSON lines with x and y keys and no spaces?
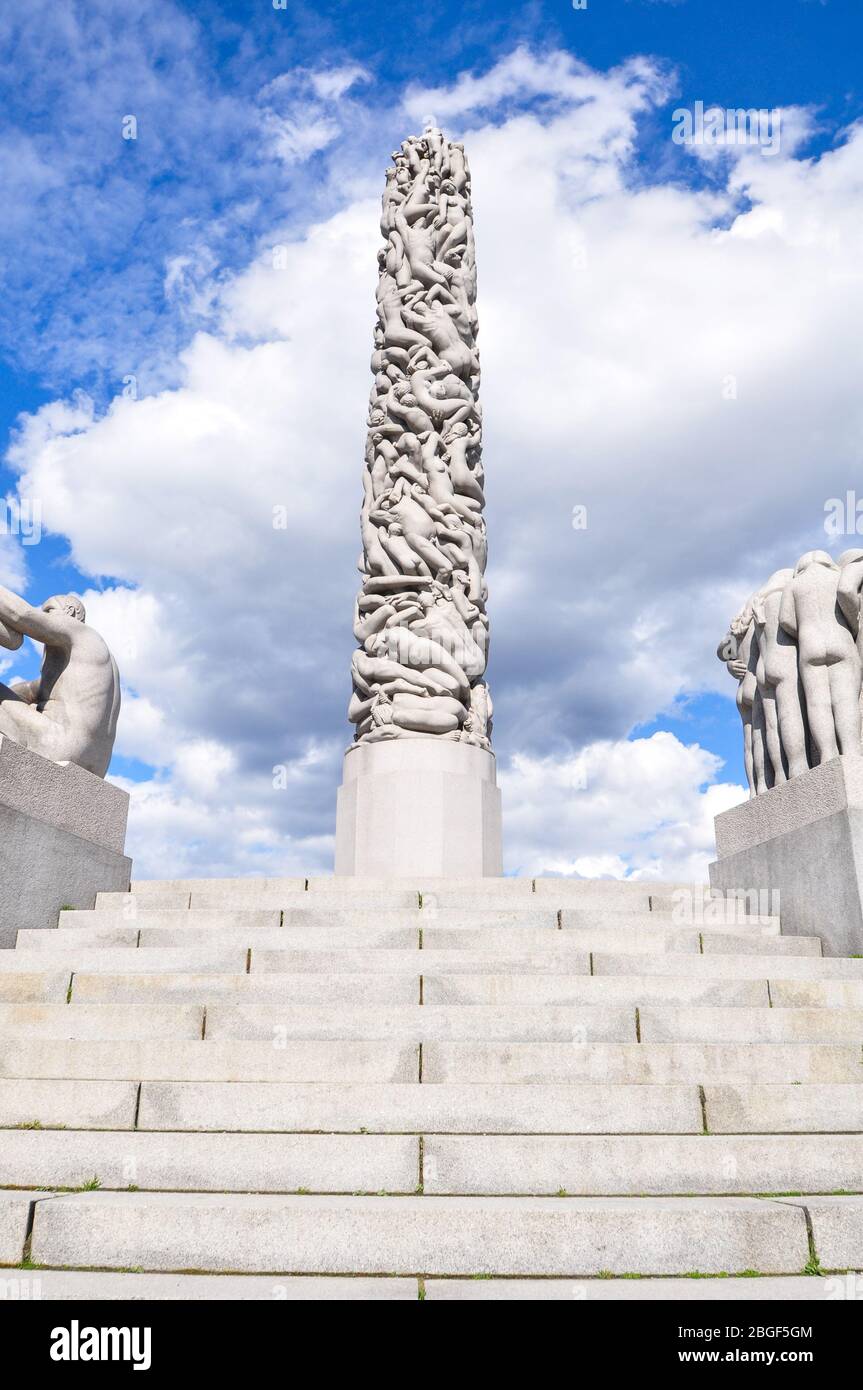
{"x":683,"y":361}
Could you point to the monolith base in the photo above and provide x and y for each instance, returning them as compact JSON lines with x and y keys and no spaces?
{"x":424,"y":806}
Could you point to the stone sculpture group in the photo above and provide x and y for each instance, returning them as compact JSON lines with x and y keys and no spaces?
{"x":796,"y":651}
{"x":420,"y":616}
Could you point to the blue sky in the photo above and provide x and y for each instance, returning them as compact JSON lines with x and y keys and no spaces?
{"x":148,"y":258}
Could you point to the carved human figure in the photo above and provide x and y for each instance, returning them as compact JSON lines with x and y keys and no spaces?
{"x":829,"y":662}
{"x":739,"y":651}
{"x":69,"y":712}
{"x":779,"y":682}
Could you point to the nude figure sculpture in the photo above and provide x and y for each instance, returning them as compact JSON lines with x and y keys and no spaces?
{"x":69,"y":712}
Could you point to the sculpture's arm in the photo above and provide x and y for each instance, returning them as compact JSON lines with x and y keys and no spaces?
{"x":848,"y":594}
{"x":16,"y":613}
{"x":788,"y":612}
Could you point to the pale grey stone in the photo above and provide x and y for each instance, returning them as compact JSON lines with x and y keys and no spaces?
{"x":54,"y":1101}
{"x":71,"y":1285}
{"x":837,"y":1231}
{"x":638,"y":1063}
{"x":444,"y":1108}
{"x":265,"y":991}
{"x":787,"y":1109}
{"x":730,"y":967}
{"x":638,"y":1165}
{"x":14,"y":1216}
{"x":88,"y":1022}
{"x":720,"y":944}
{"x":154,"y":919}
{"x":633,"y":989}
{"x":586,"y":1023}
{"x":231,"y":1060}
{"x":53,"y":942}
{"x":34,"y":987}
{"x":555,"y":960}
{"x":420,"y":807}
{"x":227,"y":887}
{"x":99,"y":959}
{"x":751,"y":1025}
{"x":210,"y":1162}
{"x":767,"y":1289}
{"x":439,"y":1235}
{"x":130,"y":904}
{"x":816,"y":994}
{"x":779,"y":842}
{"x":533,"y":939}
{"x":612,"y":922}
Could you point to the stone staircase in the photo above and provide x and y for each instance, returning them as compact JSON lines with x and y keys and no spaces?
{"x":353,"y":1089}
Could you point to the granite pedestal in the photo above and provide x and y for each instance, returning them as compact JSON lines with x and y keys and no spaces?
{"x":803,"y":838}
{"x":62,"y":834}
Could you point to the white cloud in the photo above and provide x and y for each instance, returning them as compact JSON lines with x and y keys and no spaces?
{"x":613,"y":311}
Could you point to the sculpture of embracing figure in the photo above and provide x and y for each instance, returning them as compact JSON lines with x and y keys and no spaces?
{"x":69,"y":712}
{"x":795,"y":651}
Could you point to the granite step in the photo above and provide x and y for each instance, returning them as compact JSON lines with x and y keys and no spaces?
{"x":74,"y":1158}
{"x":25,"y":1021}
{"x":745,"y":1025}
{"x":434,"y":1235}
{"x":73,"y":1285}
{"x":268,"y":988}
{"x":641,"y":1165}
{"x":412,"y":1108}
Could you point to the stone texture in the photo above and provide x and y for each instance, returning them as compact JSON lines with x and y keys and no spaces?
{"x":14,"y":1215}
{"x":90,"y":1022}
{"x":787,"y":1109}
{"x":265,"y":991}
{"x":585,"y":1023}
{"x":418,"y":806}
{"x":87,"y":1104}
{"x":64,"y":796}
{"x":413,"y":1108}
{"x":71,"y":1285}
{"x":781,"y":840}
{"x":837,"y":1230}
{"x":212,"y":1163}
{"x":751,"y":1025}
{"x":644,"y":1164}
{"x":446,"y":1235}
{"x":233,"y":1060}
{"x":34,"y":987}
{"x":797,"y":1288}
{"x":632,"y":989}
{"x":108,"y":960}
{"x":638,"y":1063}
{"x":731,"y":967}
{"x":613,"y":921}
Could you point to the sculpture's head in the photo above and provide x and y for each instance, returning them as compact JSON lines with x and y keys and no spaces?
{"x":68,"y":604}
{"x":849,"y":557}
{"x":815,"y":557}
{"x":448,"y":187}
{"x":456,"y":431}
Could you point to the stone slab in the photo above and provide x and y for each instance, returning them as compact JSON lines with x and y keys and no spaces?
{"x":89,"y":1022}
{"x":14,"y":1217}
{"x":634,"y":989}
{"x":637,"y":1165}
{"x":731,"y":967}
{"x":210,"y":1162}
{"x":48,"y":986}
{"x":417,"y":1023}
{"x":751,"y":1025}
{"x":816,"y":994}
{"x":594,"y":919}
{"x":154,"y":919}
{"x":72,"y":1285}
{"x":130,"y":904}
{"x":251,"y":990}
{"x":837,"y":1231}
{"x":108,"y":960}
{"x":397,"y":1108}
{"x":787,"y":1110}
{"x":767,"y":1288}
{"x":638,"y":1063}
{"x":86,"y":1104}
{"x":554,"y":960}
{"x":233,"y":1060}
{"x":436,"y":1235}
